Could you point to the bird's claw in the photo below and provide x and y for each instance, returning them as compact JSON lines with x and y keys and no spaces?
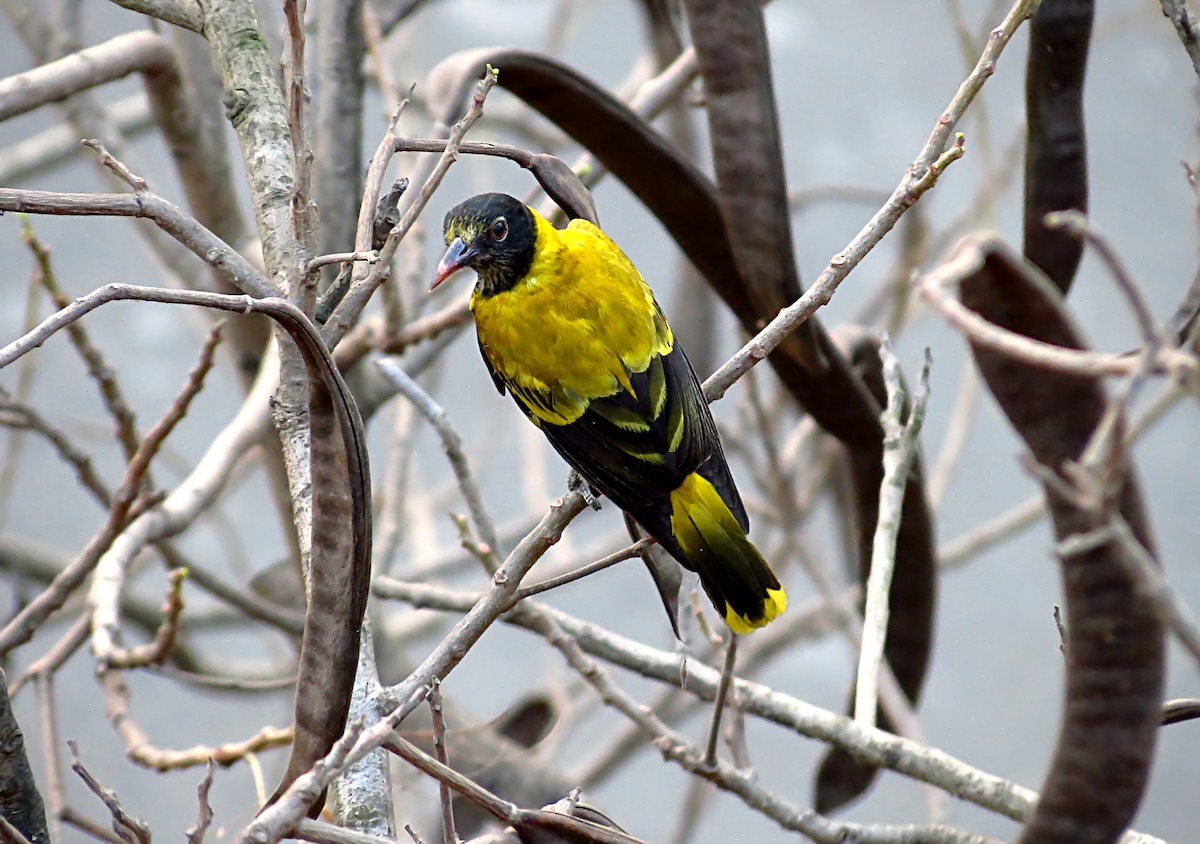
{"x":575,"y":481}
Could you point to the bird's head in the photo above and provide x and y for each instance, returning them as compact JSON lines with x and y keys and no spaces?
{"x":492,"y":234}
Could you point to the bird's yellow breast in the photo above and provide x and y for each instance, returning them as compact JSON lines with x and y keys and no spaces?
{"x":572,"y":329}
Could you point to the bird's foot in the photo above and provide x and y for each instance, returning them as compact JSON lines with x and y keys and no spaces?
{"x":576,"y":482}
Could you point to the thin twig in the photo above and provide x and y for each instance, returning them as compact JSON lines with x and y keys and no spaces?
{"x":106,"y":589}
{"x":934,"y":288}
{"x":453,"y":446}
{"x":79,"y":461}
{"x":1176,"y":11}
{"x":500,"y":809}
{"x":341,"y":258}
{"x":1080,"y":226}
{"x":696,"y":799}
{"x":437,"y":710}
{"x":296,"y":99}
{"x":66,"y":647}
{"x":1062,"y":630}
{"x":89,"y":827}
{"x":364,"y":233}
{"x":957,"y":431}
{"x":375,"y":334}
{"x":714,"y":727}
{"x":140,"y":748}
{"x":117,"y":167}
{"x":129,"y":828}
{"x":361,"y":291}
{"x":14,"y":446}
{"x":9,"y":834}
{"x":1176,"y":711}
{"x":1154,"y":583}
{"x":56,"y":788}
{"x":626,"y":553}
{"x":899,"y":452}
{"x":196,"y":832}
{"x":99,"y":370}
{"x":37,"y":154}
{"x":188,"y":14}
{"x":156,"y":651}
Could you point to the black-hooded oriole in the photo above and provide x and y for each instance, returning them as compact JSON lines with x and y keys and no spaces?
{"x":567,"y":325}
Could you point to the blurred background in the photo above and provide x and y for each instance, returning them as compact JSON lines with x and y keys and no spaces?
{"x":859,"y":87}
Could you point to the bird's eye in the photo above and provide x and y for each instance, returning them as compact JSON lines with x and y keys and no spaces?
{"x":499,"y":229}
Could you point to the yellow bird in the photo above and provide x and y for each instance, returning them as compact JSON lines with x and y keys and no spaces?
{"x":567,"y":325}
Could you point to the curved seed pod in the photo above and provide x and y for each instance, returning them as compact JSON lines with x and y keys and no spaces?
{"x":730,"y":38}
{"x":841,"y":778}
{"x":1115,"y":643}
{"x":1178,"y":711}
{"x":20,"y":801}
{"x":340,"y":567}
{"x":563,"y":186}
{"x":1056,"y":140}
{"x":694,"y":307}
{"x":552,"y":827}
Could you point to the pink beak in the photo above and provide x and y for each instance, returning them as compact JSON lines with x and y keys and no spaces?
{"x":458,"y":254}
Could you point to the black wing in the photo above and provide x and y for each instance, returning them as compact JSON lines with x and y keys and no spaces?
{"x":638,"y":447}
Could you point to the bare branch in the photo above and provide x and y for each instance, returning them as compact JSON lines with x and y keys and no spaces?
{"x":196,"y":832}
{"x":156,"y":651}
{"x":966,"y":259}
{"x":407,"y":695}
{"x":127,"y":827}
{"x":362,"y":289}
{"x":899,"y":453}
{"x":1176,"y":11}
{"x":453,"y":446}
{"x":449,"y":835}
{"x":117,"y":167}
{"x":338,"y":120}
{"x":188,"y":14}
{"x":168,"y":217}
{"x":714,"y":727}
{"x":875,"y":746}
{"x":304,"y":212}
{"x":259,"y":117}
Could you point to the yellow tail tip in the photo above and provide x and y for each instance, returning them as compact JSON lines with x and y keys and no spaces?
{"x":774,"y":605}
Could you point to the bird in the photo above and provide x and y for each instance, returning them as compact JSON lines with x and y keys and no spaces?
{"x":569,"y":328}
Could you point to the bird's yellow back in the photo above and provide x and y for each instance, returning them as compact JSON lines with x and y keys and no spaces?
{"x":572,"y":329}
